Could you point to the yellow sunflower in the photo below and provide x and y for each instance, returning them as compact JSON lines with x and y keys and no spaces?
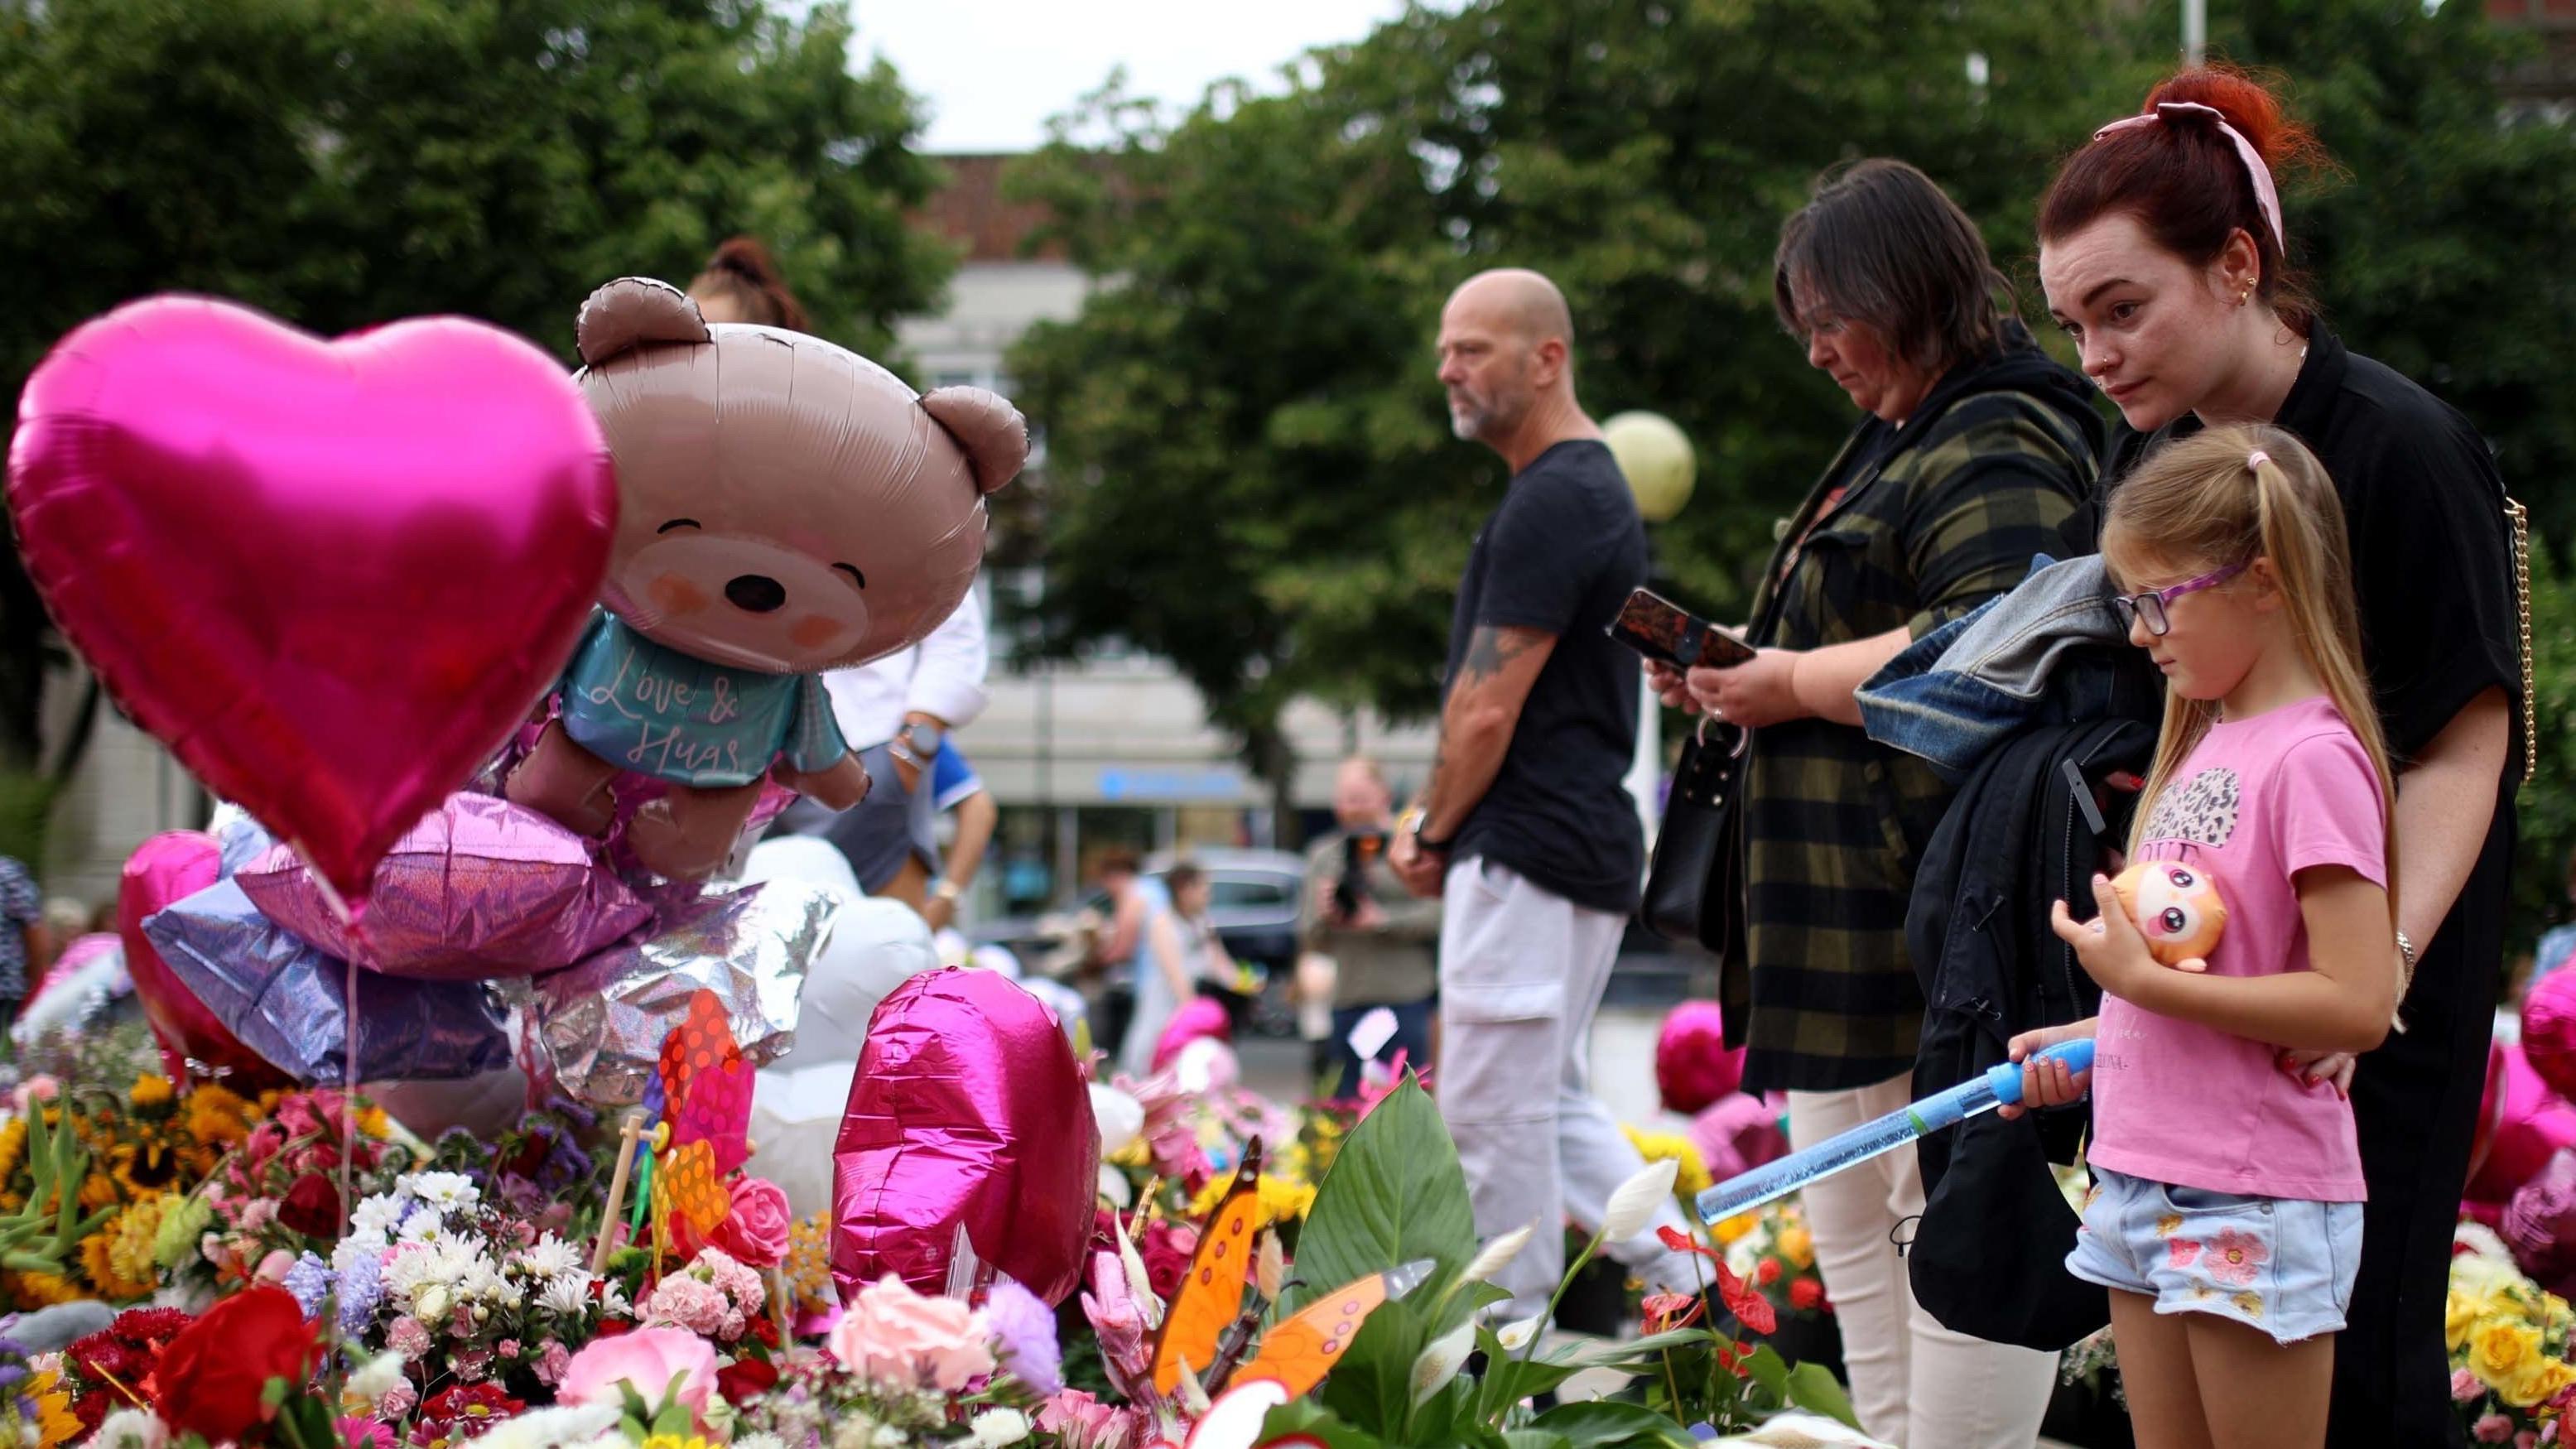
{"x":98,"y":1255}
{"x":98,"y":1190}
{"x":53,"y":1400}
{"x":1279,"y":1200}
{"x":13,"y":1145}
{"x":145,"y":1167}
{"x":374,"y":1122}
{"x":152,"y":1096}
{"x":38,"y":1290}
{"x":217,"y":1115}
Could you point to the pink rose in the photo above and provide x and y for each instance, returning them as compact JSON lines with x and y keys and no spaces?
{"x":755,"y":1232}
{"x":689,"y":1303}
{"x":2465,"y":1387}
{"x":2493,"y":1429}
{"x":893,"y":1335}
{"x":550,"y":1364}
{"x":649,"y":1359}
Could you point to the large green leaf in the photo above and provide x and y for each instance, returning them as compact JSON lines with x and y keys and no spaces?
{"x":1771,"y":1371}
{"x":1603,"y":1423}
{"x":1395,"y":1195}
{"x":1814,"y":1388}
{"x":1372,"y":1385}
{"x":1305,"y":1416}
{"x":1535,"y":1439}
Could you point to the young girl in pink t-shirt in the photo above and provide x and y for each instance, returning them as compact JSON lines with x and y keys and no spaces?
{"x":2225,"y":1217}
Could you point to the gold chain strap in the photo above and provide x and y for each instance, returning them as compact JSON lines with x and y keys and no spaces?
{"x":2521,"y":519}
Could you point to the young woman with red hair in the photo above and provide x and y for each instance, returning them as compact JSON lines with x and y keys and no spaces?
{"x":2163,"y":254}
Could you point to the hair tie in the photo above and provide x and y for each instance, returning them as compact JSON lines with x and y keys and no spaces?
{"x":2265,"y":197}
{"x":2256,"y":459}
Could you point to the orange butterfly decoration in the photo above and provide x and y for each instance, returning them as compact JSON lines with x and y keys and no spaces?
{"x":1206,"y":1329}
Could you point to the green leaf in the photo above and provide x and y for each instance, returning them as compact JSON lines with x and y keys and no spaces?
{"x":1372,"y":1385}
{"x":1604,"y":1423}
{"x":1305,"y":1416}
{"x":1442,"y":1418}
{"x":1535,"y":1439}
{"x":1396,"y":1194}
{"x":1814,"y":1388}
{"x":1771,"y":1371}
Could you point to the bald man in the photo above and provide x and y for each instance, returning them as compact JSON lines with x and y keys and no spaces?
{"x":1526,"y":831}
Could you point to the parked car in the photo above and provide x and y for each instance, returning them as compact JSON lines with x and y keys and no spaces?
{"x":1253,"y":897}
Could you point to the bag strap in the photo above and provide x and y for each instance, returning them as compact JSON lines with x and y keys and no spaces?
{"x":2520,"y":518}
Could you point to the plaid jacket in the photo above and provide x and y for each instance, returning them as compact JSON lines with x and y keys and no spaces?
{"x":1910,"y":532}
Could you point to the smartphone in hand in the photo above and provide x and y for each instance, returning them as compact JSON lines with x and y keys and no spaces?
{"x":1665,"y":631}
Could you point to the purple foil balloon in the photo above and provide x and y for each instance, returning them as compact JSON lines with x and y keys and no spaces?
{"x":329,"y":574}
{"x":479,"y":888}
{"x":2540,"y":1223}
{"x":286,"y":1000}
{"x":967,"y":1108}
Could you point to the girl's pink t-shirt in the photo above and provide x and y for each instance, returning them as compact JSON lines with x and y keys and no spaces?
{"x":2258,"y":801}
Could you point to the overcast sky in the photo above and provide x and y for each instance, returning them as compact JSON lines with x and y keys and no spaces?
{"x":994,"y":70}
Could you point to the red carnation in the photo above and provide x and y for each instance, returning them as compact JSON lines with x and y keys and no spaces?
{"x":312,"y":1207}
{"x":1807,"y":1295}
{"x":736,"y":1382}
{"x":213,"y":1374}
{"x":1767,"y":1272}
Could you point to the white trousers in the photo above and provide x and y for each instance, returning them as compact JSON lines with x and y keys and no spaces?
{"x":1914,"y":1383}
{"x":1521,"y":976}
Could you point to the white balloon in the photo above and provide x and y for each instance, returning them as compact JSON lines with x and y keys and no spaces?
{"x":876,"y":945}
{"x":1121,"y":1118}
{"x":1205,"y":1064}
{"x":795,"y":1115}
{"x":806,"y":859}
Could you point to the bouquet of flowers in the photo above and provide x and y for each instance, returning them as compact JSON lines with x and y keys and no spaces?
{"x":125,"y":1157}
{"x":2510,"y":1375}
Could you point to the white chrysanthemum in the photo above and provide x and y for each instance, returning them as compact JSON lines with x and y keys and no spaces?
{"x":421,"y":1227}
{"x":1000,"y":1428}
{"x":445,"y":1191}
{"x":377,"y":1217}
{"x":552,"y":1428}
{"x":567,"y":1296}
{"x":612,"y":1301}
{"x":549,"y":1257}
{"x":377,"y":1377}
{"x":355,"y":1247}
{"x":131,"y":1429}
{"x":758,"y":1440}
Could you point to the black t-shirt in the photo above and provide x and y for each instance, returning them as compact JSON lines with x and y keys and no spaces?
{"x":2432,"y":554}
{"x":1560,"y":555}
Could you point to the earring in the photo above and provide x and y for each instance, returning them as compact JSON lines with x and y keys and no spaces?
{"x":2245,"y":296}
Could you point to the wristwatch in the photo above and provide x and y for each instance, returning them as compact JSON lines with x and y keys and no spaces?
{"x":1412,"y":821}
{"x":922,"y":738}
{"x":949,"y":891}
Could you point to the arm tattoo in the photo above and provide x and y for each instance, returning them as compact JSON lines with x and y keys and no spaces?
{"x":1489,"y":651}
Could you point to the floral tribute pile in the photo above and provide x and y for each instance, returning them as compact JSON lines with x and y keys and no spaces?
{"x":298,"y":1270}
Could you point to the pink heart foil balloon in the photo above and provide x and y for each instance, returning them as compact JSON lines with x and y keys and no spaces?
{"x":332,"y":576}
{"x":166,"y":870}
{"x":966,"y":1107}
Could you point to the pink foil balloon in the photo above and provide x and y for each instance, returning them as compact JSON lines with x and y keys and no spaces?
{"x":2549,"y":1030}
{"x":169,"y":869}
{"x":2529,"y":1125}
{"x":331,"y":575}
{"x":1693,"y":1066}
{"x":1199,"y":1017}
{"x":967,"y":1107}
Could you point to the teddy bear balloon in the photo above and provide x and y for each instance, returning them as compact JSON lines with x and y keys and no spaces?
{"x":785,"y":507}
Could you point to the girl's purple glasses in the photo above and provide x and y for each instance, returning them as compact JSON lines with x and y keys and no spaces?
{"x":2152,"y":604}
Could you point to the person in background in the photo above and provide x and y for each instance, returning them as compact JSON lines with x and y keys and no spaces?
{"x":1119,"y":952}
{"x":1180,"y":951}
{"x":1378,"y":936}
{"x":954,"y":786}
{"x":1973,"y":452}
{"x":741,"y":283}
{"x":1526,"y":829}
{"x":22,"y":936}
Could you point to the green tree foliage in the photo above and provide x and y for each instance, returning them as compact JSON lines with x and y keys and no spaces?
{"x":342,"y":163}
{"x":1252,"y":473}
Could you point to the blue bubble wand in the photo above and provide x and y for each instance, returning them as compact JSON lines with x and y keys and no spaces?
{"x":1999,"y":1087}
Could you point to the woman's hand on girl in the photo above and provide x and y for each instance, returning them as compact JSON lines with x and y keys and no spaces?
{"x":2046,"y":1082}
{"x":2109,"y":946}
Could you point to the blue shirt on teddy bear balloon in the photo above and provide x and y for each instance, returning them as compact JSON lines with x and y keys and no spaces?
{"x":656,"y":711}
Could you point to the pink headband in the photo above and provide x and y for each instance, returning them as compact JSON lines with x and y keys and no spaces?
{"x":2264,"y":196}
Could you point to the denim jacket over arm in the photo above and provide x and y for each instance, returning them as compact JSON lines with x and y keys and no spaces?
{"x":2052,"y":651}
